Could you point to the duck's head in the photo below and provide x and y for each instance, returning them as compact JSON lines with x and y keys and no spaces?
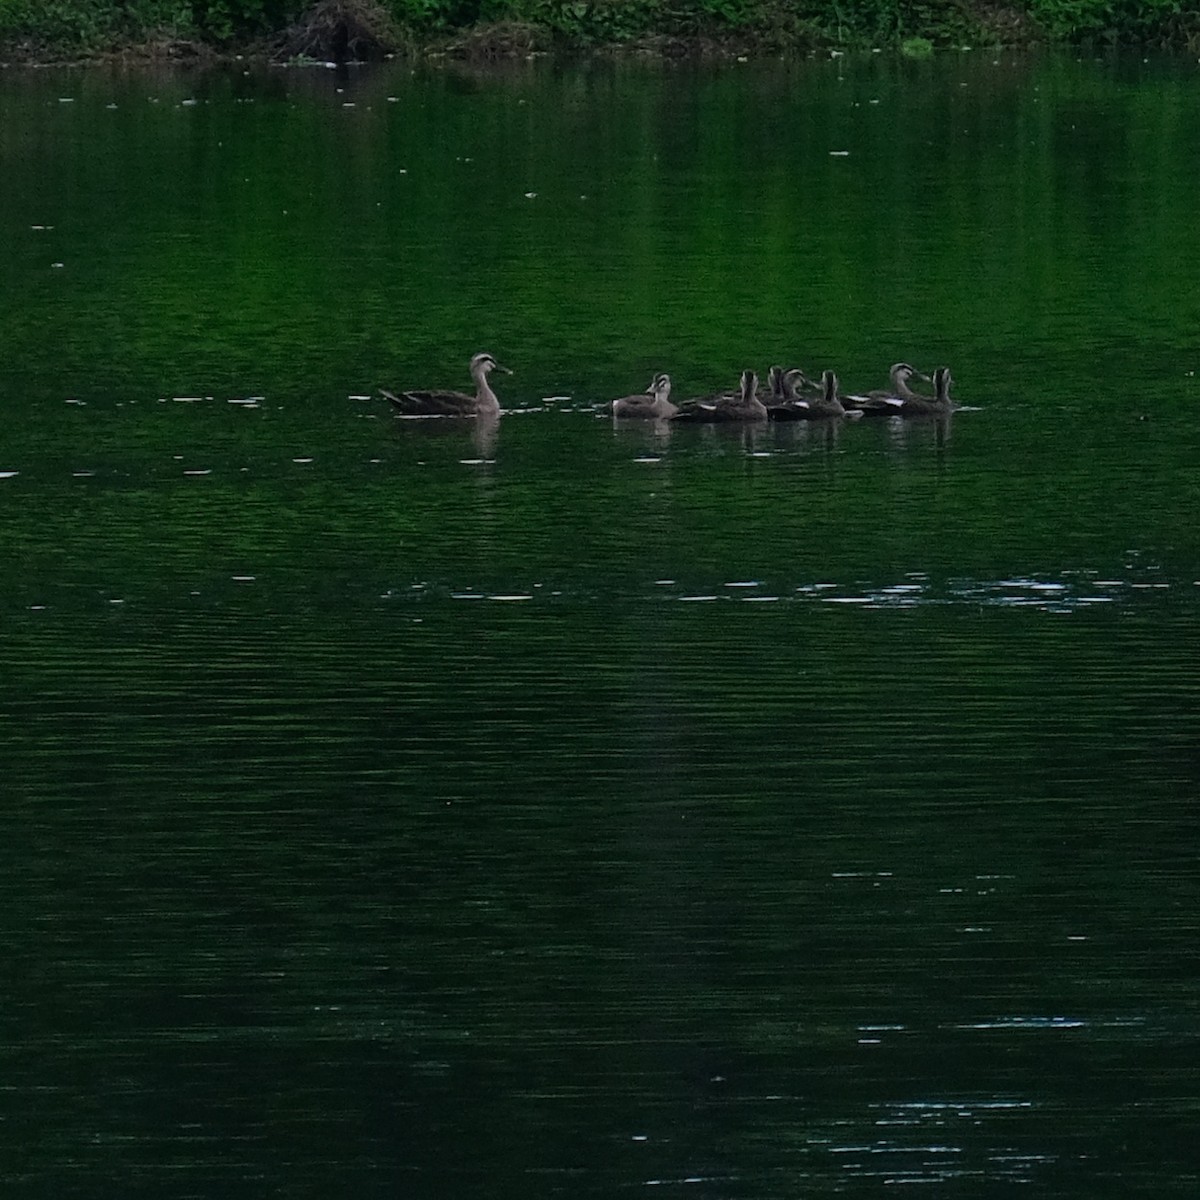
{"x":749,"y":383}
{"x":660,"y":385}
{"x":829,"y":385}
{"x":902,"y":372}
{"x":485,"y":363}
{"x":795,"y":379}
{"x":941,"y":383}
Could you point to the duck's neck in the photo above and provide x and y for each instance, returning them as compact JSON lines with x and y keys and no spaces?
{"x":942,"y":391}
{"x":750,"y":394}
{"x":832,"y":399}
{"x":485,"y":399}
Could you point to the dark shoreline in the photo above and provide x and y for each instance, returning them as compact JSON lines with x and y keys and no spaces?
{"x":347,"y":31}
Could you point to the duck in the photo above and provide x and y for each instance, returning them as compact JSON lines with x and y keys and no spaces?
{"x":887,"y":401}
{"x":643,"y":406}
{"x":745,"y":406}
{"x":937,"y":405}
{"x":828,"y":404}
{"x":454,"y":404}
{"x":785,"y":386}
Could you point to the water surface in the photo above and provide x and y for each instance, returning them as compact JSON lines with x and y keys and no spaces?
{"x":411,"y":808}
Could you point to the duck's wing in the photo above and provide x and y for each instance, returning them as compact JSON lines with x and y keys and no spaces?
{"x":879,"y":404}
{"x":793,"y":410}
{"x":697,"y":410}
{"x":434,"y":403}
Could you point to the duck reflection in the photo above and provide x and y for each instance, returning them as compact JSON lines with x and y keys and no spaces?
{"x":483,"y":431}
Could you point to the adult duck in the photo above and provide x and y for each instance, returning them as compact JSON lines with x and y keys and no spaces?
{"x":653,"y":404}
{"x":888,"y":401}
{"x":828,"y":404}
{"x":786,"y":386}
{"x":454,"y":404}
{"x":745,"y":406}
{"x":936,"y":406}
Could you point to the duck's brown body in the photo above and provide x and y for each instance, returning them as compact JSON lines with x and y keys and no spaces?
{"x":440,"y":403}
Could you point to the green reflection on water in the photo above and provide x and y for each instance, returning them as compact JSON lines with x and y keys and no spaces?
{"x":814,"y":778}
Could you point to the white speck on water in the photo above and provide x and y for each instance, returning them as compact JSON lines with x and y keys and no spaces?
{"x":57,"y":266}
{"x":301,"y":460}
{"x":8,"y":474}
{"x":199,"y":471}
{"x":243,"y":578}
{"x":511,"y":596}
{"x":531,"y":195}
{"x":839,"y":154}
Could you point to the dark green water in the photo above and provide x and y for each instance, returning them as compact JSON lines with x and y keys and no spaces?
{"x":398,"y":809}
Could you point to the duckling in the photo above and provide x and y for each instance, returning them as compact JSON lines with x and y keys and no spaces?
{"x":746,"y":406}
{"x":936,"y":406}
{"x":887,"y":401}
{"x":828,"y":404}
{"x":648,"y":409}
{"x":454,"y":404}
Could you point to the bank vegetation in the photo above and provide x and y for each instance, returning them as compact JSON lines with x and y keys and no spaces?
{"x":50,"y":30}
